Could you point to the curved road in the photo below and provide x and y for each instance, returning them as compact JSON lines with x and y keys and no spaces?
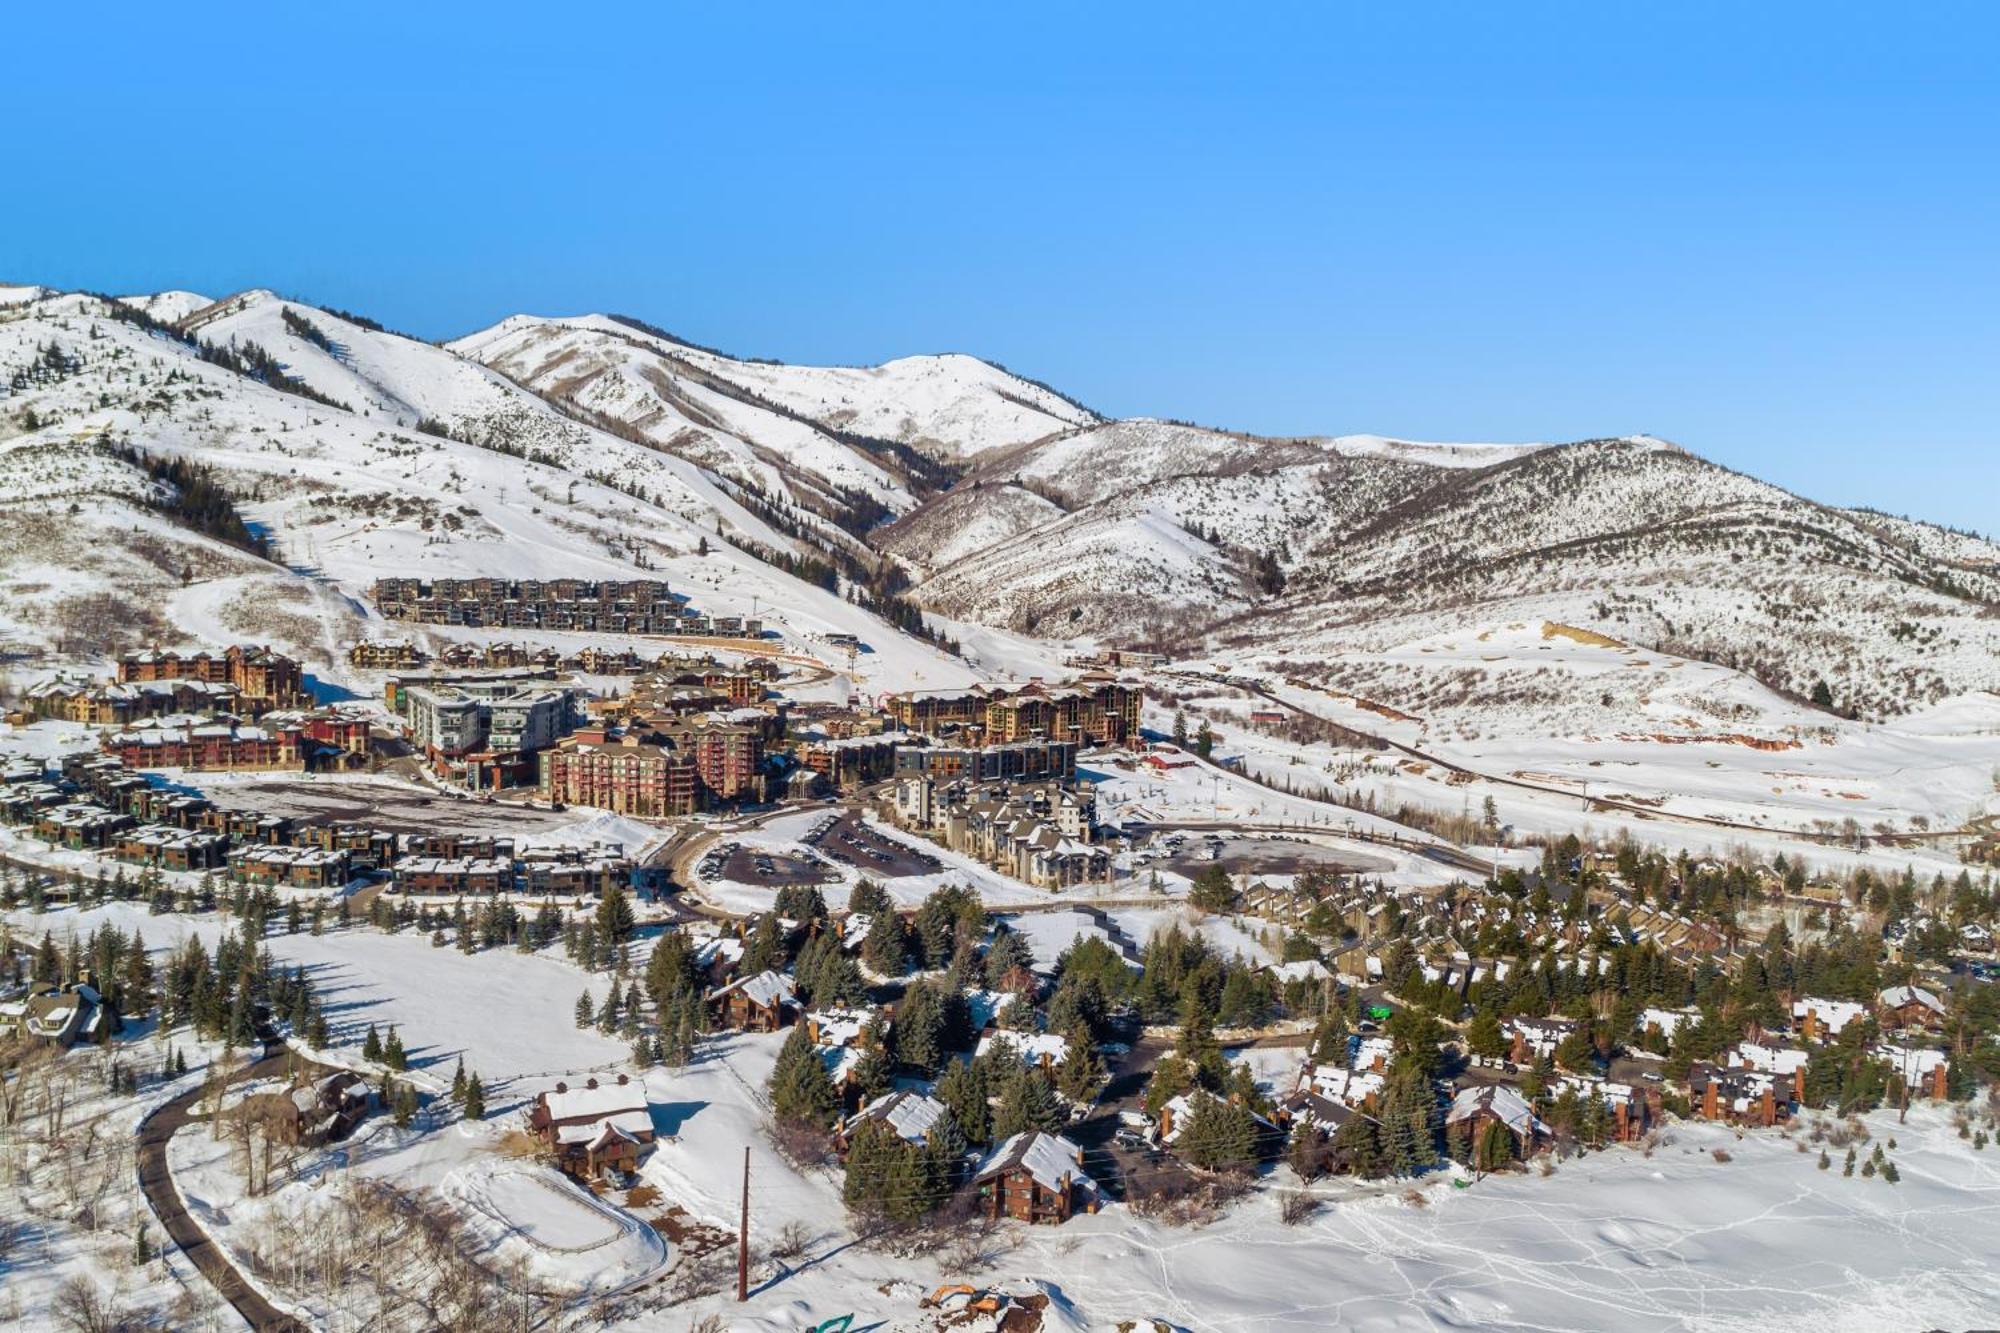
{"x":156,"y":1181}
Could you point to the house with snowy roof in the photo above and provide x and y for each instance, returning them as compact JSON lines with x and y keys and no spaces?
{"x":58,"y":1015}
{"x":1739,"y":1095}
{"x":1780,"y":1059}
{"x":1668,"y":1022}
{"x":1046,"y":1049}
{"x":1821,"y":1019}
{"x":1537,"y":1038}
{"x":1922,"y":1069}
{"x":593,"y":1127}
{"x":1900,"y":1007}
{"x":762,"y":1003}
{"x":1035,"y":1177}
{"x":1632,"y":1108}
{"x":1475,"y":1108}
{"x":914,"y":1117}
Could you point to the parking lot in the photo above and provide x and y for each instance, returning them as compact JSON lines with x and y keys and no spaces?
{"x":845,"y":838}
{"x":384,"y":804}
{"x":757,"y":865}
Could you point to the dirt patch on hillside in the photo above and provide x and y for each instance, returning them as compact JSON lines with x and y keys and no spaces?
{"x":1555,"y":630}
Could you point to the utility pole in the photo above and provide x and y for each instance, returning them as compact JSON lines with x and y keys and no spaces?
{"x":743,"y":1235}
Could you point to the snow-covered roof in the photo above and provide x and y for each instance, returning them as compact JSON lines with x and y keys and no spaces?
{"x":1031,"y":1047}
{"x":1503,"y":1102}
{"x":1914,"y":1063}
{"x":839,"y":1027}
{"x":984,"y":1006}
{"x":1049,"y":1158}
{"x":1770,"y":1057}
{"x":913,"y":1115}
{"x":1833,"y":1015}
{"x":767,"y":989}
{"x":1895,"y":997}
{"x":621,"y":1103}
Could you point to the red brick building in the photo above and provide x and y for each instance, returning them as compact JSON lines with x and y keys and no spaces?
{"x":218,"y":746}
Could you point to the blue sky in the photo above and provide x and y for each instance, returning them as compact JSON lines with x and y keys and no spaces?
{"x":1768,"y":232}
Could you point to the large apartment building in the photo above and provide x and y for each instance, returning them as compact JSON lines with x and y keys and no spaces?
{"x":264,"y":679}
{"x":1093,"y":709}
{"x":657,"y":772}
{"x":215,"y":746}
{"x":627,"y":606}
{"x":487,"y":730}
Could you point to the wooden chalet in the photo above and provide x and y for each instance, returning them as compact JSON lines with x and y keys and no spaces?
{"x":762,"y":1003}
{"x":1487,"y":1104}
{"x":1901,"y":1007}
{"x":595,"y":1127}
{"x":1035,"y":1177}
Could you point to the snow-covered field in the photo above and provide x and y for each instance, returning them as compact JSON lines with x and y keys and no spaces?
{"x":1618,"y":1239}
{"x":508,"y":1014}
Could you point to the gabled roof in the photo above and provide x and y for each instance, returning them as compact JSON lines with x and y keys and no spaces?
{"x":1500,"y":1101}
{"x":767,"y":989}
{"x":1049,"y":1158}
{"x":1895,"y":997}
{"x":913,"y":1115}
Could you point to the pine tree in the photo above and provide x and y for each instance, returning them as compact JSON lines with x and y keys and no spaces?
{"x":1305,"y":1152}
{"x":800,"y":1088}
{"x":1081,"y":1071}
{"x":962,"y":1088}
{"x":1359,"y":1143}
{"x":1217,"y":1134}
{"x":1329,"y":1042}
{"x":393,"y":1054}
{"x":886,"y":948}
{"x":475,"y":1098}
{"x":584,"y":1011}
{"x":458,"y":1083}
{"x":1029,"y":1102}
{"x":614,"y":915}
{"x":371,"y":1045}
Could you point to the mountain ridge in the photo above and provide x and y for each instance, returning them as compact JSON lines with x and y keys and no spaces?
{"x":990,"y":499}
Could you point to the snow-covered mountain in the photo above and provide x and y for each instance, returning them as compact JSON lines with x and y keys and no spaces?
{"x":1340,"y":548}
{"x":355,"y":453}
{"x":856,"y":445}
{"x":598,"y":445}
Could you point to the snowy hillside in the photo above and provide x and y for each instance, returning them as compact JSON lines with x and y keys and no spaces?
{"x":599,"y":445}
{"x":857,"y":446}
{"x":98,"y":558}
{"x":1349,"y":547}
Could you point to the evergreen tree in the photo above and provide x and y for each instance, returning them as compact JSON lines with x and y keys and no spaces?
{"x":885,"y":949}
{"x":475,"y":1098}
{"x":1081,"y":1071}
{"x":1218,"y":1135}
{"x":800,"y":1088}
{"x":1004,"y":954}
{"x":962,"y":1088}
{"x":371,"y":1046}
{"x":458,"y":1083}
{"x":1358,"y":1142}
{"x":1029,"y":1102}
{"x":584,"y":1012}
{"x":1329,"y":1041}
{"x":615,"y":921}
